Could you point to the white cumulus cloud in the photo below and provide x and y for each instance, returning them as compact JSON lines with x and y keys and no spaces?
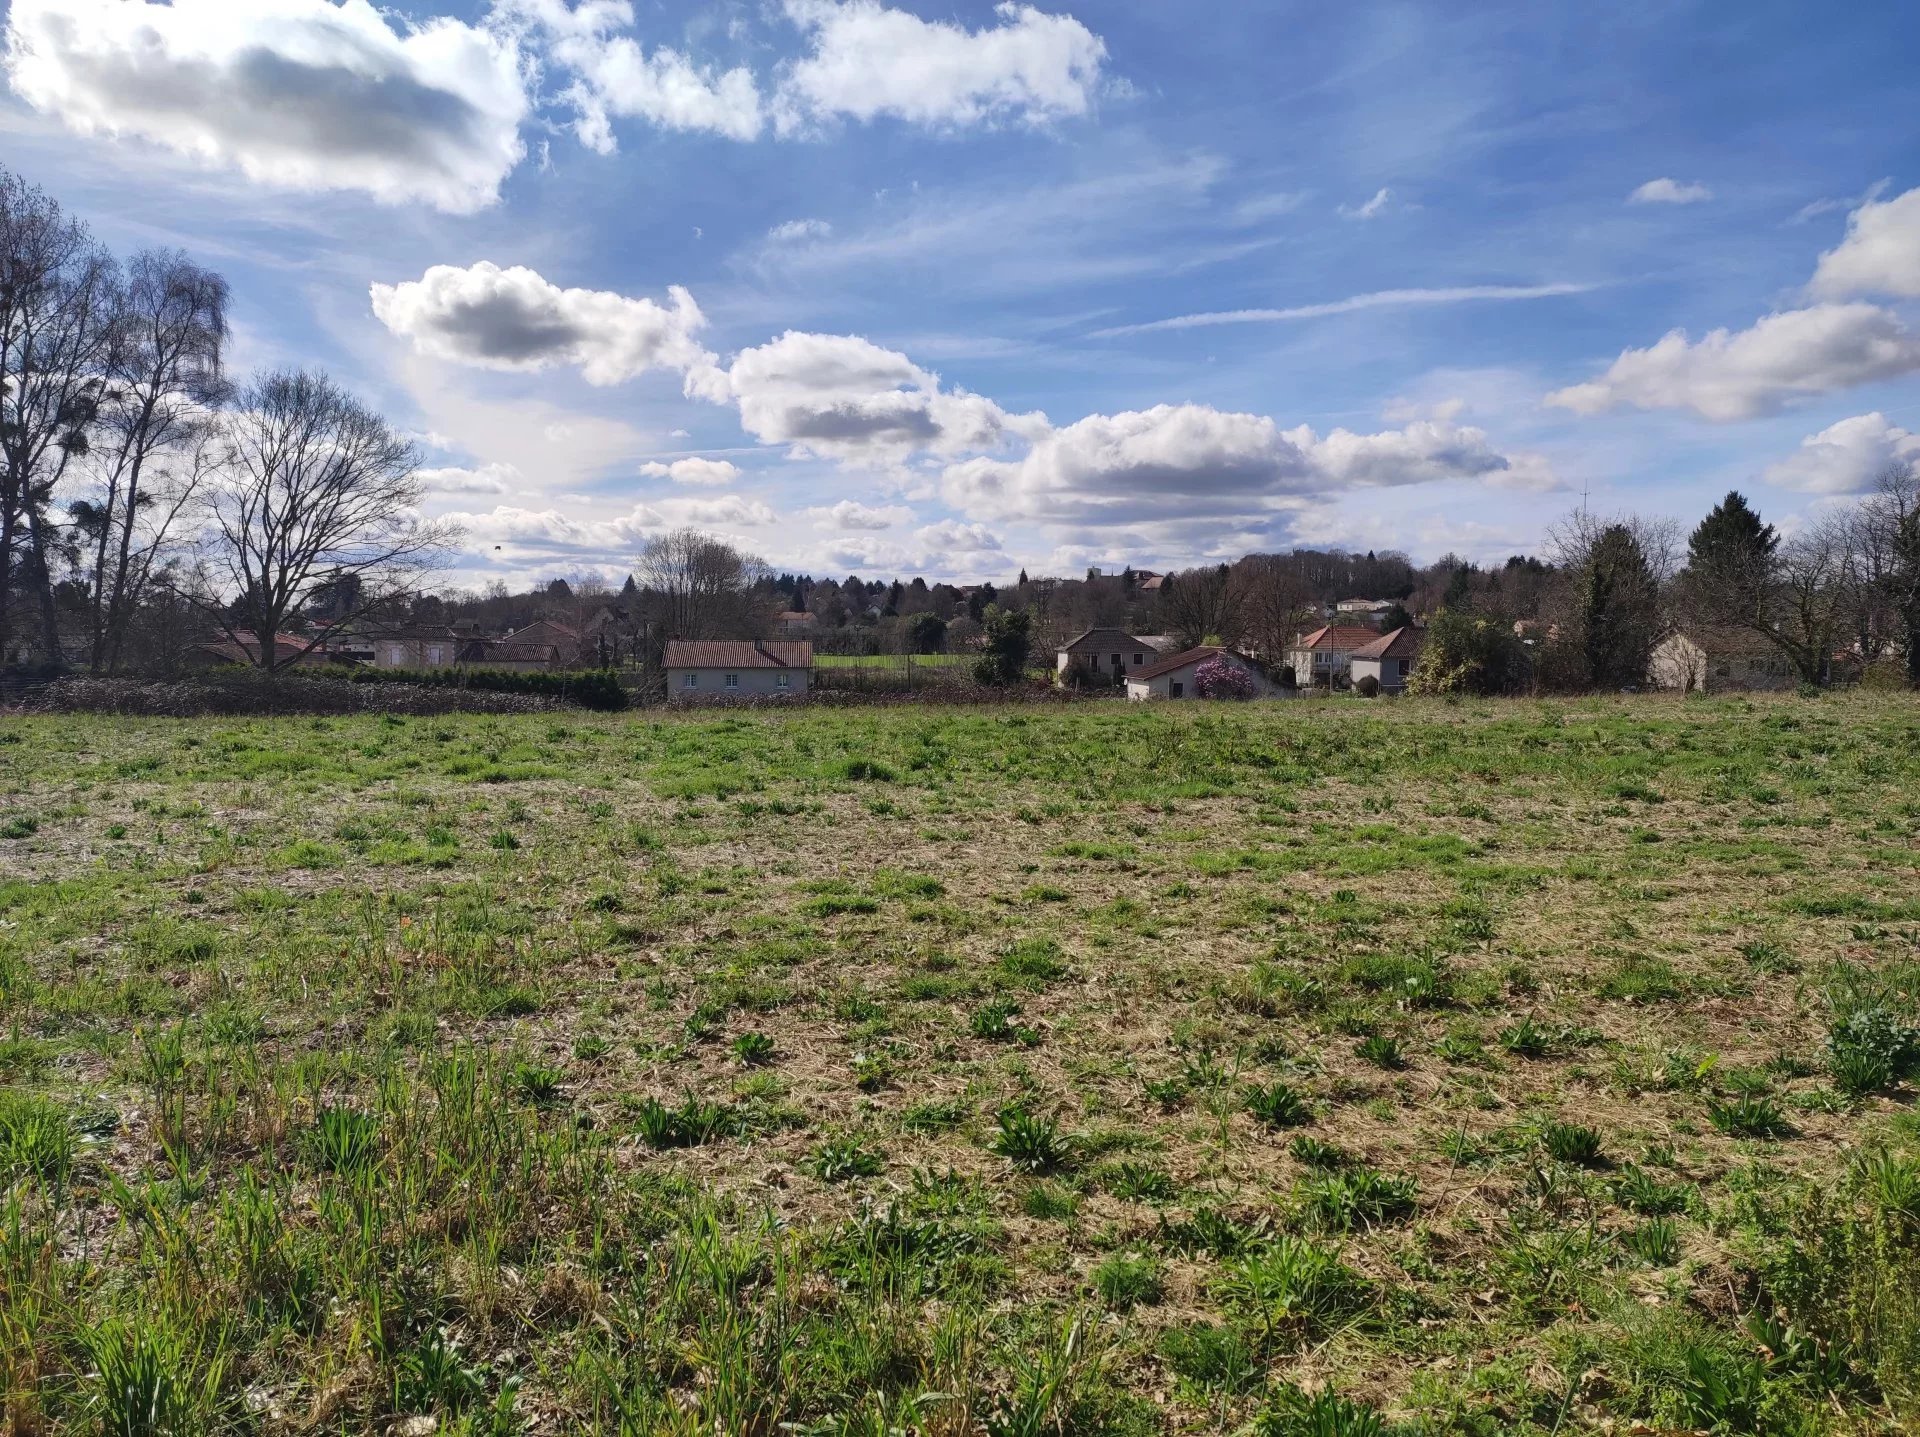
{"x":1669,"y":191}
{"x":615,"y":77}
{"x":1845,"y":458}
{"x":851,"y":516}
{"x":693,"y":471}
{"x":1727,"y":376}
{"x":302,"y":94}
{"x":1183,"y":464}
{"x":488,"y":479}
{"x":1880,"y":255}
{"x":842,"y":397}
{"x":866,"y":60}
{"x":513,"y":319}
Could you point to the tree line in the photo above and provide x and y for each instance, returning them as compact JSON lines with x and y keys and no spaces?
{"x":144,"y":493}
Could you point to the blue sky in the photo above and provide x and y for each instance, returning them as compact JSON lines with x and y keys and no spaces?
{"x":957,"y":289}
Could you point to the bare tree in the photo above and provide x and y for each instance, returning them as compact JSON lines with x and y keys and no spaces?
{"x":1201,"y":604}
{"x":153,"y":437}
{"x":1275,"y":603}
{"x":1889,"y":540}
{"x":701,"y":587}
{"x":57,"y":301}
{"x":311,"y":487}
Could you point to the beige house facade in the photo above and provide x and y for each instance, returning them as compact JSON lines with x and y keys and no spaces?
{"x":716,"y":670}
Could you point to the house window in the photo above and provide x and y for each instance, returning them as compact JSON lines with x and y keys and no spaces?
{"x":396,"y":657}
{"x":1116,"y":661}
{"x":691,"y":681}
{"x":783,"y":681}
{"x":1176,"y":689}
{"x":1406,"y":667}
{"x":1139,"y":659}
{"x":436,"y":656}
{"x":733,"y":681}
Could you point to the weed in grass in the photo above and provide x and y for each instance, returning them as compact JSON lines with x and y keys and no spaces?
{"x":1640,"y":1190}
{"x":36,"y":1139}
{"x":1169,"y":1093}
{"x":1655,"y":1242}
{"x":1050,"y":1203}
{"x":1315,"y":1153}
{"x":1033,"y":963}
{"x":1749,"y":1116}
{"x":994,"y":1021}
{"x":1137,"y":1182}
{"x":872,"y":1070}
{"x":1126,"y":1281}
{"x":1572,"y":1143}
{"x":1029,"y":1142}
{"x":752,"y":1050}
{"x":537,"y":1083}
{"x":1278,"y":1105}
{"x":694,"y":1122}
{"x":843,"y":1160}
{"x":1382,"y":1051}
{"x":1292,"y":1288}
{"x":1526,"y":1039}
{"x":934,"y":1115}
{"x":1293,"y":1413}
{"x":1354,"y":1197}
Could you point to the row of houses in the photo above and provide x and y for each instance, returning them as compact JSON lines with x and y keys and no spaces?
{"x":1335,"y":656}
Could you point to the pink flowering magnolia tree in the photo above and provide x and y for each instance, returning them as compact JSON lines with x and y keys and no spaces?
{"x":1219,"y":679}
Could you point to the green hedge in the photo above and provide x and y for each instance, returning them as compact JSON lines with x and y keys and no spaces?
{"x":584,"y":688}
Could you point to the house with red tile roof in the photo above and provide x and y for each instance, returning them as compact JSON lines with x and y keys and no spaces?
{"x":1324,"y":658}
{"x":705,"y":670}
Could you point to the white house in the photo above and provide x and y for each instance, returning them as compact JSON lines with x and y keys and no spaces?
{"x":1389,"y":659}
{"x":1323,"y":658}
{"x":1172,"y":677}
{"x":1113,"y":652}
{"x":705,"y":670}
{"x":1710,"y":661}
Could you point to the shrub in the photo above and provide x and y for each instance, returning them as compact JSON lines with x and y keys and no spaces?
{"x":1465,"y":654}
{"x":581,"y":688}
{"x":1223,"y":678}
{"x":1007,"y":641}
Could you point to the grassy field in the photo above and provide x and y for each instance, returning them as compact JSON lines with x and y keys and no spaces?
{"x":1299,"y":1069}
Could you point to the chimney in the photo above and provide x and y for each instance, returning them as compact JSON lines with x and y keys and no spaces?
{"x":759,"y":646}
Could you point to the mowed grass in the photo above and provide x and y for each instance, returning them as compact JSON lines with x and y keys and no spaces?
{"x":1311,"y":1068}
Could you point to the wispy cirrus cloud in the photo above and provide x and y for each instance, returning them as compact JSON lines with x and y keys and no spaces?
{"x":1377,"y":299}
